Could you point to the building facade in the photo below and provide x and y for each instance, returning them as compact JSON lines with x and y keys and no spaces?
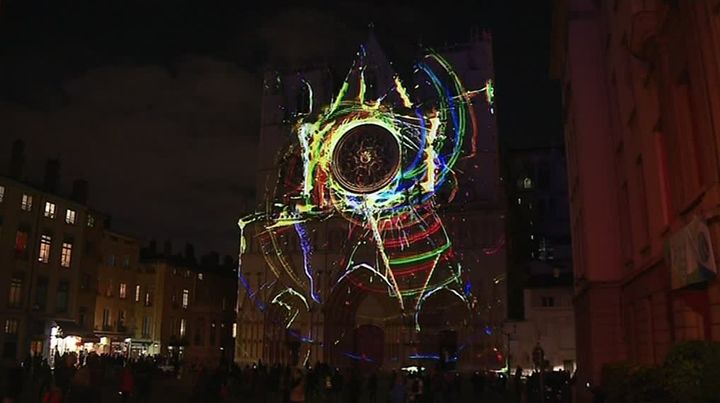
{"x":350,"y":323}
{"x":640,"y":116}
{"x":118,"y":295}
{"x":188,"y":308}
{"x":538,"y":220}
{"x":43,"y":240}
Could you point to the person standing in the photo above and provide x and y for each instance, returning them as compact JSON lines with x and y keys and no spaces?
{"x":127,"y":383}
{"x":372,"y":388}
{"x":297,"y":388}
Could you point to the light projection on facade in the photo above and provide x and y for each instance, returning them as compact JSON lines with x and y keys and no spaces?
{"x":380,"y":161}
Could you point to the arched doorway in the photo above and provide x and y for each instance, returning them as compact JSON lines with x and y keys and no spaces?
{"x":369,"y":348}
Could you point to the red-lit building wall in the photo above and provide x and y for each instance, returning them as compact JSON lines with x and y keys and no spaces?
{"x":641,"y":115}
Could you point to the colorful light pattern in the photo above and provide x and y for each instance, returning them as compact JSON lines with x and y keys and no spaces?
{"x":404,"y":147}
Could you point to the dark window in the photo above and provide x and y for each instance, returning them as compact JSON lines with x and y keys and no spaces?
{"x":199,"y":332}
{"x":82,"y":311}
{"x":548,"y":301}
{"x":63,"y":294}
{"x":21,"y":242}
{"x":41,"y":292}
{"x":15,"y":292}
{"x":213,"y":333}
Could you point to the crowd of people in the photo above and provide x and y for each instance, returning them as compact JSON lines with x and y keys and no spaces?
{"x":324,"y":384}
{"x":73,"y":377}
{"x":92,"y":378}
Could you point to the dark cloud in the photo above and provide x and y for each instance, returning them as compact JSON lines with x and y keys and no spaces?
{"x":154,"y":146}
{"x":157,"y":102}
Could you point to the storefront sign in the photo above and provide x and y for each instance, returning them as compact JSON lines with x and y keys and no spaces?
{"x":690,"y":256}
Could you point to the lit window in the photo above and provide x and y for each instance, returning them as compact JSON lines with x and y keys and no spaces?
{"x":519,"y":201}
{"x":70,"y":216}
{"x":527,"y":183}
{"x":44,"y":255}
{"x":90,"y":220}
{"x":2,"y":193}
{"x":26,"y":203}
{"x":148,"y":298}
{"x":11,"y":326}
{"x":185,"y":298}
{"x":21,"y":240}
{"x":234,"y":330}
{"x":66,"y":254}
{"x":15,"y":294}
{"x":200,"y":276}
{"x":123,"y":290}
{"x":137,"y":293}
{"x":49,"y":210}
{"x":182,"y":327}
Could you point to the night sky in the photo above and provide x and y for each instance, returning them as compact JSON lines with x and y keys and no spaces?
{"x":156,"y":102}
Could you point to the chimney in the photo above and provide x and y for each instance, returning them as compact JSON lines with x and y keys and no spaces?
{"x":167,"y":249}
{"x":79,"y":191}
{"x":52,"y":175}
{"x":17,"y":159}
{"x":190,"y":252}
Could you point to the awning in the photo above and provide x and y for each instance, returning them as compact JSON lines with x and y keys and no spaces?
{"x":73,"y":329}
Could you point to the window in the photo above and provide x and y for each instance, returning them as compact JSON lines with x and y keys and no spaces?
{"x":111,"y":260}
{"x":70,"y":216}
{"x":200,"y":276}
{"x":137,"y":293}
{"x":2,"y":193}
{"x":147,"y":322}
{"x":185,"y":298}
{"x":642,"y":201}
{"x":26,"y":203}
{"x":45,"y":242}
{"x":548,"y":301}
{"x":148,"y":298}
{"x":213,"y":333}
{"x":90,"y":220}
{"x":66,"y":254}
{"x":21,"y":241}
{"x":11,"y":326}
{"x":82,"y":311}
{"x":106,"y":318}
{"x":123,"y":290}
{"x":84,"y":281}
{"x":49,"y":210}
{"x":41,"y":292}
{"x":15,"y":293}
{"x":109,"y":288}
{"x":126,"y":261}
{"x":63,"y":294}
{"x":199,"y":330}
{"x":121,"y":320}
{"x":182,"y":327}
{"x":234,"y":330}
